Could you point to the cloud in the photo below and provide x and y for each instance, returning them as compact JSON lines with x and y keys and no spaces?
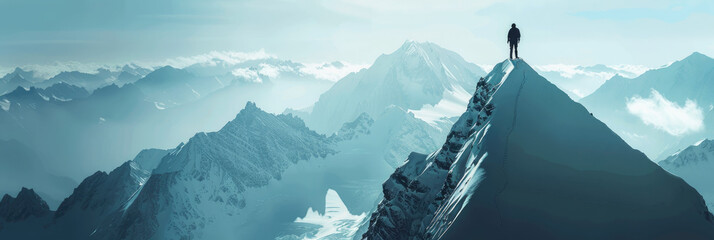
{"x":659,"y":112}
{"x":577,"y":92}
{"x":331,"y":71}
{"x":213,"y":58}
{"x":597,"y":72}
{"x":247,"y":74}
{"x":269,"y":70}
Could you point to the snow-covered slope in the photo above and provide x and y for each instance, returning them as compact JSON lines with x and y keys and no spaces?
{"x":336,"y":223}
{"x":204,"y":180}
{"x":417,"y":76}
{"x":695,"y":164}
{"x":661,"y":111}
{"x":259,"y":171}
{"x":149,"y":159}
{"x":526,"y":162}
{"x":393,"y":134}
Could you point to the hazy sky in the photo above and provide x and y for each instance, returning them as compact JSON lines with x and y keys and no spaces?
{"x":644,"y":32}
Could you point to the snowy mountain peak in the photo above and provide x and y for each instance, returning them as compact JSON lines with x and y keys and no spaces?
{"x":617,"y":103}
{"x":695,"y":165}
{"x":206,"y":177}
{"x":415,"y":76}
{"x":250,"y":124}
{"x":702,"y":151}
{"x":422,"y":49}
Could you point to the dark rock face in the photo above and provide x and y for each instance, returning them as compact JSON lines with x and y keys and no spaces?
{"x":26,"y":204}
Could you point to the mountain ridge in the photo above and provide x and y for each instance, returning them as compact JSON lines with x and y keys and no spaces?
{"x":497,"y":156}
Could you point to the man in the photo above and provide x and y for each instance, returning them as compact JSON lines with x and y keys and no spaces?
{"x":514,"y":36}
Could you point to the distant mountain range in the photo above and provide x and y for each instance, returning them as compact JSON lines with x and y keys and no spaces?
{"x":363,"y":152}
{"x":581,"y":81}
{"x":662,"y":110}
{"x":318,"y":170}
{"x":74,"y":118}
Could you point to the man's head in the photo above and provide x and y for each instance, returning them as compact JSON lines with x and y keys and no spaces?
{"x":513,"y":25}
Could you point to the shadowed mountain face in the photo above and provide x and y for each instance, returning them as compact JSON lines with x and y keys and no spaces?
{"x":20,"y":165}
{"x":526,"y":162}
{"x":661,"y":111}
{"x":27,"y":204}
{"x":92,"y":204}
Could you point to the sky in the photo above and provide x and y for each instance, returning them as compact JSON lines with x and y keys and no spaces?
{"x":641,"y":32}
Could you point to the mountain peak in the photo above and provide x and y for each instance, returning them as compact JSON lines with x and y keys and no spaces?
{"x":26,"y":94}
{"x":412,"y":77}
{"x":166,"y":68}
{"x":702,"y":151}
{"x":411,"y":47}
{"x":26,"y":193}
{"x":697,"y":55}
{"x":251,"y":106}
{"x":26,"y":204}
{"x":523,"y":138}
{"x":697,"y":58}
{"x":19,"y":70}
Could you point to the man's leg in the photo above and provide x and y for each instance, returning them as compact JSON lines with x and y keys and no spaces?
{"x":515,"y":48}
{"x":510,"y":53}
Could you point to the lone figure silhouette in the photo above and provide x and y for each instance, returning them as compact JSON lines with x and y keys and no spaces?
{"x":514,"y":36}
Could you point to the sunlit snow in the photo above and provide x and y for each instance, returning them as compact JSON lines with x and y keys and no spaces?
{"x":452,"y":104}
{"x":337,"y":222}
